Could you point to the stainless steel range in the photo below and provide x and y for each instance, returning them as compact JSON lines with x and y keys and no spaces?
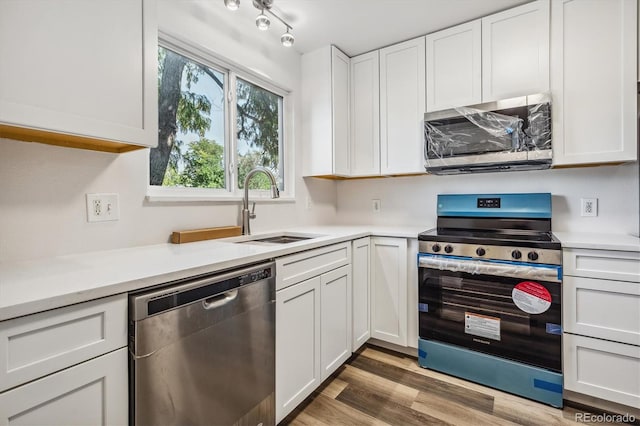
{"x":490,"y":291}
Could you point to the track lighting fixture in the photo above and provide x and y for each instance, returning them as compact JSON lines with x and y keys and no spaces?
{"x":232,"y":4}
{"x":262,"y":21}
{"x":287,"y":39}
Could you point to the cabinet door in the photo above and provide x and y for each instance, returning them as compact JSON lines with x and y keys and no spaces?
{"x":594,"y":54}
{"x":340,"y":108}
{"x":588,"y":305}
{"x":402,"y":107}
{"x":454,"y":67}
{"x":515,"y":52}
{"x":389,"y":290}
{"x":361,"y":255}
{"x":297,"y":344}
{"x":602,"y":369}
{"x":335,"y":319}
{"x":91,"y":393}
{"x":365,"y":115}
{"x":81,"y":68}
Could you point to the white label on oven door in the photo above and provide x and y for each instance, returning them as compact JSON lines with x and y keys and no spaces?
{"x":482,"y":325}
{"x":531,"y":297}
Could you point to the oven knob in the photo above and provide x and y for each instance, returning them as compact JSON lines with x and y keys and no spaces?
{"x":516,"y":254}
{"x":480,"y":251}
{"x":448,"y":248}
{"x":533,"y":255}
{"x":435,"y":248}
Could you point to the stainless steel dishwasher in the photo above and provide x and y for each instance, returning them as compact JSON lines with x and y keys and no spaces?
{"x":202,"y":351}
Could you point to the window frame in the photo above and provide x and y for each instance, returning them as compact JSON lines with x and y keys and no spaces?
{"x":231,"y":72}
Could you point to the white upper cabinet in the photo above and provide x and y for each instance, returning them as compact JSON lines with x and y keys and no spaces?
{"x":402,"y":107}
{"x":593,"y":60}
{"x":85,"y":69}
{"x":325,"y":114}
{"x":515,"y":51}
{"x":365,"y":115}
{"x":454,"y":66}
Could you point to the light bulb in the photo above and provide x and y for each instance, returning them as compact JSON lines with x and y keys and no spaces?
{"x":287,"y":39}
{"x":232,"y":4}
{"x":262,"y":22}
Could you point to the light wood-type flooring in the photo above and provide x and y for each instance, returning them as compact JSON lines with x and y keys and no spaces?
{"x":381,"y":387}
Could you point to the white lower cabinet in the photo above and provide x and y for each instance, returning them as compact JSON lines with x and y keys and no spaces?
{"x":313,"y":321}
{"x":361,"y":284}
{"x":413,"y":326}
{"x":602,"y":369}
{"x":91,"y":393}
{"x":297,"y":344}
{"x":389,"y":289}
{"x":601,"y":321}
{"x":335,"y":319}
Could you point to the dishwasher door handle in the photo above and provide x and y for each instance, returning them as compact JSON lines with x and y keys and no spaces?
{"x":220,"y":299}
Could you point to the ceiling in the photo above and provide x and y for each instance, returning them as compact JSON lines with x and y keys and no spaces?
{"x":359,"y":26}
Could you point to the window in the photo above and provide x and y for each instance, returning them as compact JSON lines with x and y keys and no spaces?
{"x":197,"y":151}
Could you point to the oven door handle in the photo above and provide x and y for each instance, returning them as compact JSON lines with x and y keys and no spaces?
{"x":480,"y":267}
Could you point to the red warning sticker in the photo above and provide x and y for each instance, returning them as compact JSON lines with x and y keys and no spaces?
{"x":531,"y":297}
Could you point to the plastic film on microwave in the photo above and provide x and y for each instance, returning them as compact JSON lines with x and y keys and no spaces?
{"x":475,"y":131}
{"x":538,"y":132}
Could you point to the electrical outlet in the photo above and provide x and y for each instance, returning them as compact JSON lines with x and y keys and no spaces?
{"x":102,"y":207}
{"x":589,"y":207}
{"x":308,"y":203}
{"x":375,"y":206}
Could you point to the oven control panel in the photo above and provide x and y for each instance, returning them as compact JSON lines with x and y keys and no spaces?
{"x":507,"y":253}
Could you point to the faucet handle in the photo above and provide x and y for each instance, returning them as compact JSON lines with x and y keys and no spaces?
{"x":252,"y":215}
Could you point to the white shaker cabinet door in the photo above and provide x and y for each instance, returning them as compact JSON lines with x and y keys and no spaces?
{"x":454,"y":67}
{"x":402,"y":107}
{"x":92,"y":393}
{"x":361,"y":283}
{"x":594,"y":56}
{"x":297,"y":344}
{"x":515,"y":52}
{"x":365,"y":115}
{"x":335,"y":319}
{"x":389,"y":289}
{"x":85,"y":68}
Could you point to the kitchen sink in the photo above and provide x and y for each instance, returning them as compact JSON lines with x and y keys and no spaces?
{"x":287,"y":238}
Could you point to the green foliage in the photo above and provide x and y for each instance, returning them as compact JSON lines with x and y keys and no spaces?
{"x":248,"y":162}
{"x":203,"y":167}
{"x":202,"y":163}
{"x":259,"y":121}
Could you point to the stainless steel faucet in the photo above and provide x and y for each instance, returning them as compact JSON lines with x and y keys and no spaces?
{"x":246,"y":215}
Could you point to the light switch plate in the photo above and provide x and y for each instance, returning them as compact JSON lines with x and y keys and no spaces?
{"x":103,"y":207}
{"x":375,"y":206}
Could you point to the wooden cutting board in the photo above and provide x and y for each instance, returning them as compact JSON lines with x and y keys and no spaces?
{"x":189,"y":236}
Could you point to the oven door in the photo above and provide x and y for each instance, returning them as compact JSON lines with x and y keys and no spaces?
{"x":507,"y":309}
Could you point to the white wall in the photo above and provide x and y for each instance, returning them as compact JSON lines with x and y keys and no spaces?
{"x":412,"y":200}
{"x":42,"y":188}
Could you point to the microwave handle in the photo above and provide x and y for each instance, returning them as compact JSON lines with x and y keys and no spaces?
{"x":479,"y":267}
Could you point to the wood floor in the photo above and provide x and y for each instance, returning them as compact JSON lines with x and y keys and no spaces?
{"x":380,"y":387}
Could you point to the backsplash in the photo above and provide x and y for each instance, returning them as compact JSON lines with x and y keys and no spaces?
{"x":411,"y":200}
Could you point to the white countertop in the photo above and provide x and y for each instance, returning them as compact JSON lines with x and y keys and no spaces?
{"x":39,"y":285}
{"x":598,"y":241}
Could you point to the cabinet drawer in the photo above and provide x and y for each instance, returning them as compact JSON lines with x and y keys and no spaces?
{"x":91,"y":393}
{"x":299,"y":267}
{"x":39,"y":344}
{"x":602,"y":308}
{"x":602,"y":369}
{"x":610,"y":265}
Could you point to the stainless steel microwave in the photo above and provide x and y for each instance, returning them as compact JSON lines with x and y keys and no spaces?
{"x":507,"y":135}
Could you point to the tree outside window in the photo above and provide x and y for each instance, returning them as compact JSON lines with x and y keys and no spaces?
{"x":192,"y":148}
